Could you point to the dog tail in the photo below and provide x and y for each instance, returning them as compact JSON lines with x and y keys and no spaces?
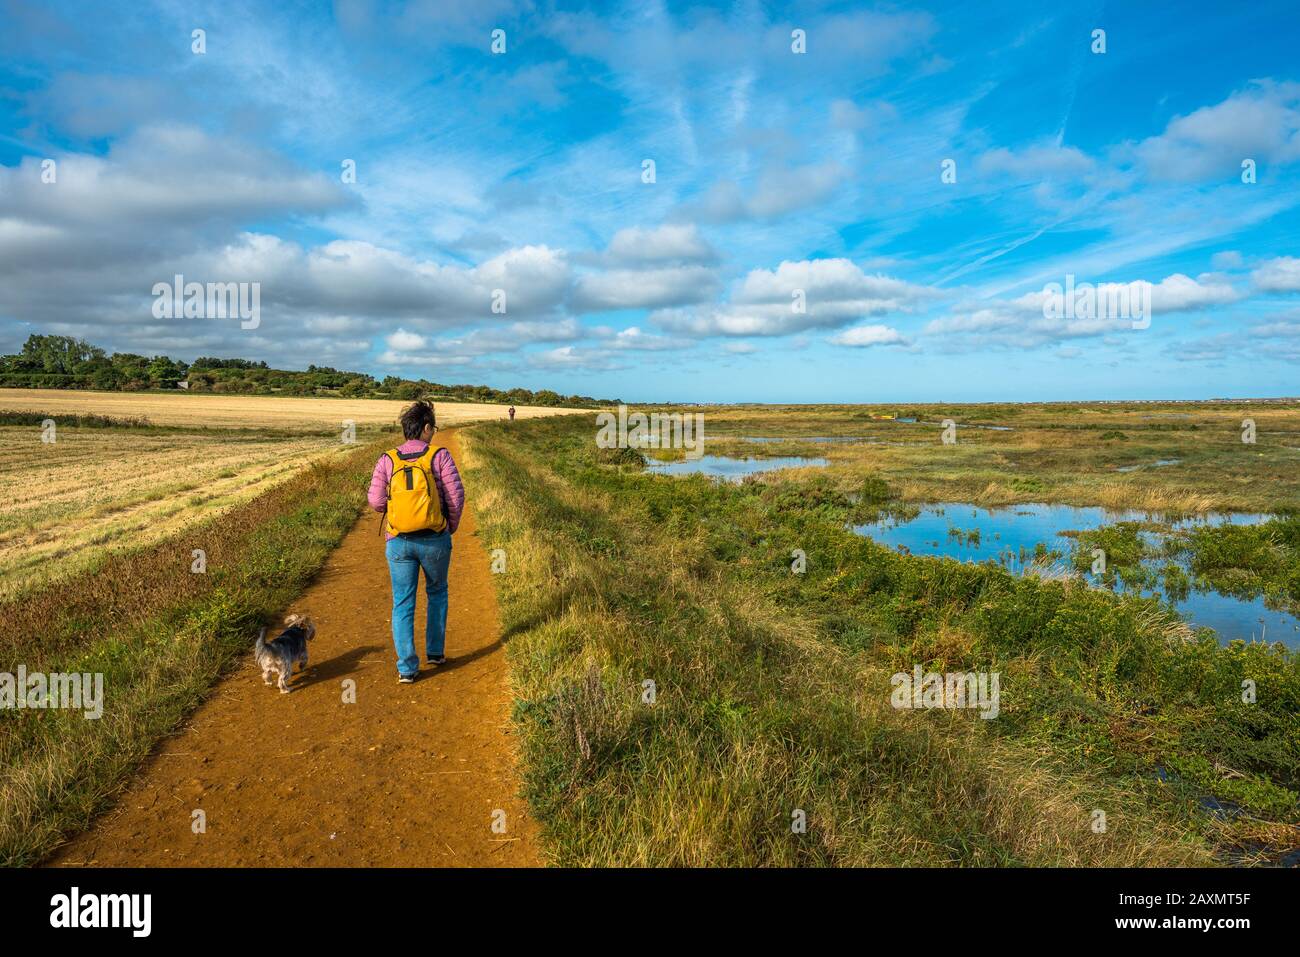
{"x":261,"y":641}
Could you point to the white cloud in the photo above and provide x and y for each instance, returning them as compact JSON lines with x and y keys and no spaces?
{"x":669,"y":243}
{"x":392,"y":357}
{"x":1038,"y":318}
{"x":633,"y":338}
{"x":1278,"y":275}
{"x":1180,"y":293}
{"x":165,"y":176}
{"x":865,"y":336}
{"x":1035,"y":162}
{"x":514,"y":336}
{"x":764,"y":303}
{"x":404,"y":341}
{"x":643,"y":288}
{"x":1261,"y":123}
{"x":571,"y":357}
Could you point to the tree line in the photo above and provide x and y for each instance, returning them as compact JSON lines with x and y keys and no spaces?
{"x":63,"y":362}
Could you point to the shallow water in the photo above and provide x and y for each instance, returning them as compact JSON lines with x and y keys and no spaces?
{"x":821,"y":439}
{"x":1157,"y":464}
{"x":1003,"y":533}
{"x":732,"y":469}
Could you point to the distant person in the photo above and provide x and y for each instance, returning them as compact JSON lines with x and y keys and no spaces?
{"x":418,"y":490}
{"x":512,"y":413}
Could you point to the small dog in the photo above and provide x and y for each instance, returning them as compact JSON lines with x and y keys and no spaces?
{"x":285,"y":650}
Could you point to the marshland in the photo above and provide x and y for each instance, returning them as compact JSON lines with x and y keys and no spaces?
{"x":770,"y":620}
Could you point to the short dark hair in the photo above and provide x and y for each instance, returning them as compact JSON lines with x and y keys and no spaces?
{"x":415,"y":417}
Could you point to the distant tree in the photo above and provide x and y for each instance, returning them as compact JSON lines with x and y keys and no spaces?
{"x":64,"y":362}
{"x":164,"y":373}
{"x":60,"y":355}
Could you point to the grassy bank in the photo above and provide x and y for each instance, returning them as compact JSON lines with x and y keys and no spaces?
{"x":684,"y":697}
{"x":160,"y":635}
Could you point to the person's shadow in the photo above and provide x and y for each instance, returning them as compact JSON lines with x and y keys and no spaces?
{"x":334,"y":667}
{"x":554,"y":606}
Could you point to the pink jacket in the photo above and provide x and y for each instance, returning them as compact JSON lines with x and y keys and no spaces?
{"x":445,"y":477}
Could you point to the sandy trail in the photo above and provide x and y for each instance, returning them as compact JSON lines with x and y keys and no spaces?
{"x":409,"y":775}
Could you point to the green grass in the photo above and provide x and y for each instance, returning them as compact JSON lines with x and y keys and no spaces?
{"x":772,"y":688}
{"x":1250,"y":560}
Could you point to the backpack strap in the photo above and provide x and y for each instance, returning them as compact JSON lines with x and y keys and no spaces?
{"x":431,"y":451}
{"x":395,"y":457}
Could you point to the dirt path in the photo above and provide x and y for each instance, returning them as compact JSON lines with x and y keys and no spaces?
{"x":409,"y":775}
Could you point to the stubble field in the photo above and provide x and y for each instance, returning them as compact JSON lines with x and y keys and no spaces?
{"x":248,"y":411}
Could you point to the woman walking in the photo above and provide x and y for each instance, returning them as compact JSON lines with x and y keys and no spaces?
{"x":418,"y":489}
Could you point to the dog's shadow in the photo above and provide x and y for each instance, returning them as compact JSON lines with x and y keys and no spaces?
{"x":332,"y":668}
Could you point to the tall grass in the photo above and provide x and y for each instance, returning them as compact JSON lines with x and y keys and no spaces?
{"x":81,"y":420}
{"x":771,"y":690}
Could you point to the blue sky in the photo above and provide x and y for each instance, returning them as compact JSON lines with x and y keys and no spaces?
{"x":778,"y":176}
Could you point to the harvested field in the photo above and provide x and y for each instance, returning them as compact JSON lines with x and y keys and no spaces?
{"x":63,"y":503}
{"x":248,"y":411}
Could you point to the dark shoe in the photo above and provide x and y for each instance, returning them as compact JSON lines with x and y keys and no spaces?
{"x":406,"y":679}
{"x":435,"y":662}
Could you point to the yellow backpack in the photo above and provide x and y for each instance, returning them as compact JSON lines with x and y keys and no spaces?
{"x":413,"y":501}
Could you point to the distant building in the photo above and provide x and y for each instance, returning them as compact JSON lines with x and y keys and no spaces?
{"x":182,"y":385}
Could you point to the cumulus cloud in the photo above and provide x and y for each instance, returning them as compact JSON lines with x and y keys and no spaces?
{"x":795,"y":297}
{"x":163,"y":176}
{"x":571,"y":357}
{"x":1261,"y":122}
{"x":670,"y":243}
{"x":81,"y":255}
{"x":514,"y":336}
{"x":1281,"y":274}
{"x":404,"y":341}
{"x":1040,"y":317}
{"x":865,"y":336}
{"x":643,"y":288}
{"x":1180,"y":293}
{"x":633,"y":337}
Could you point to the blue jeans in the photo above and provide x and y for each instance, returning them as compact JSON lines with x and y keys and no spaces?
{"x":406,"y":556}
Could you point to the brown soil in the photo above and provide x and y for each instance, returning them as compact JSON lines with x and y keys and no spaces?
{"x":409,"y":775}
